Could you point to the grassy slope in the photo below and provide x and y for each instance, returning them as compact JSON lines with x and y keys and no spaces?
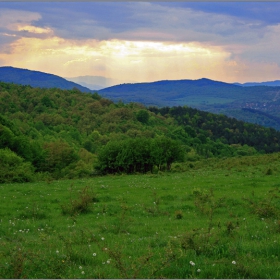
{"x":152,"y":225}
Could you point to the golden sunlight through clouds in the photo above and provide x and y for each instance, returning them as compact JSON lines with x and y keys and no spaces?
{"x":130,"y":60}
{"x":191,"y":44}
{"x":34,"y":29}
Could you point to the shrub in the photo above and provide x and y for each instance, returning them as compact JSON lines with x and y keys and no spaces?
{"x":179,"y":214}
{"x":265,"y":207}
{"x":81,"y":204}
{"x":13,"y":168}
{"x":269,"y":171}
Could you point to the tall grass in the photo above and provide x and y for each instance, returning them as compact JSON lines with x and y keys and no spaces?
{"x":218,"y":219}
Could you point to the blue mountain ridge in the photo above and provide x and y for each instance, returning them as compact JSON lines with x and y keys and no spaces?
{"x":204,"y":94}
{"x":21,"y":76}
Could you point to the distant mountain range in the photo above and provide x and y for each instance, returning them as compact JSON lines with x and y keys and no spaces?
{"x":36,"y":79}
{"x":270,"y":84}
{"x":202,"y":93}
{"x":95,"y":82}
{"x":256,"y":103}
{"x":173,"y":92}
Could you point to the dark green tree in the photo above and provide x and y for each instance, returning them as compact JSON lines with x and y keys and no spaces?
{"x":139,"y":155}
{"x":143,"y":116}
{"x":166,"y":151}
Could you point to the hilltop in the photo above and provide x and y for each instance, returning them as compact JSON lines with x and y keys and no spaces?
{"x":171,"y":92}
{"x":36,"y":79}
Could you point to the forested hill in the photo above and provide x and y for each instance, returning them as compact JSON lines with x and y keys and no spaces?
{"x":36,"y":79}
{"x":172,"y":92}
{"x":219,"y":127}
{"x":261,"y":103}
{"x":207,"y":95}
{"x":55,"y":133}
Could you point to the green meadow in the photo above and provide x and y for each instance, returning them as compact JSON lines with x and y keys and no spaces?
{"x":217,"y":218}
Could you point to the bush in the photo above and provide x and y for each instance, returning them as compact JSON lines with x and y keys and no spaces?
{"x":13,"y":168}
{"x":81,"y":204}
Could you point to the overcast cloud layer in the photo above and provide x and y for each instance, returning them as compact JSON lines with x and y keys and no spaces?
{"x":144,"y":41}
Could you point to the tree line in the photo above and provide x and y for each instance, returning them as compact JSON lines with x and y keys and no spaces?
{"x":139,"y":155}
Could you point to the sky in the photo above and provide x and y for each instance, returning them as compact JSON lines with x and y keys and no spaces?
{"x":142,"y":41}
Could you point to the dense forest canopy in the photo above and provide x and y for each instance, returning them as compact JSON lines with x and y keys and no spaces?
{"x":53,"y":133}
{"x":228,"y":130}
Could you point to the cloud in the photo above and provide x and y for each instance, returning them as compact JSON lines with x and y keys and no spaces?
{"x":143,"y":40}
{"x":17,"y":24}
{"x":267,"y":11}
{"x":143,"y":60}
{"x":11,"y":19}
{"x":191,"y":25}
{"x":215,"y":23}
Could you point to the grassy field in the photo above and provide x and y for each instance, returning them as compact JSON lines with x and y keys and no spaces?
{"x":211,"y":219}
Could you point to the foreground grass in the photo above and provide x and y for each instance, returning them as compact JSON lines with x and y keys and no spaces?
{"x":217,"y":219}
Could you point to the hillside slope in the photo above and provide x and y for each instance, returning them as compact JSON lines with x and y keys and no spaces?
{"x":60,"y":133}
{"x":262,"y":102}
{"x":36,"y":79}
{"x":207,"y":95}
{"x":173,"y":92}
